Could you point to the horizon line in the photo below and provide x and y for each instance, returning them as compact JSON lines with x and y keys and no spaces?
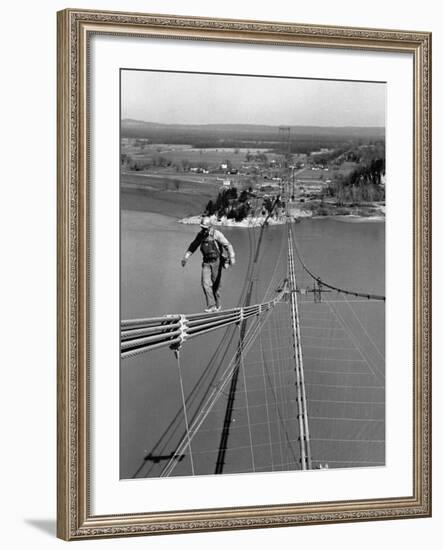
{"x":246,"y":124}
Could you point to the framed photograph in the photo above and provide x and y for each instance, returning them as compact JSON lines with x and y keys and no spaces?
{"x":243,"y":274}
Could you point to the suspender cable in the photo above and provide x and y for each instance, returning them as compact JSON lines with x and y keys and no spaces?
{"x":249,"y":338}
{"x":248,"y":416}
{"x":220,"y":462}
{"x":185,"y":413}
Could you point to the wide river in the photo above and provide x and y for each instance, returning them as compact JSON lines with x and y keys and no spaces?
{"x":343,"y":340}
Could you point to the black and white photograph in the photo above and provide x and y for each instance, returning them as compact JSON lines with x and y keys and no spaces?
{"x":252,"y":268}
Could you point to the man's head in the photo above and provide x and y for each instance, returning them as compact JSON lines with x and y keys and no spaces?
{"x":205,"y":223}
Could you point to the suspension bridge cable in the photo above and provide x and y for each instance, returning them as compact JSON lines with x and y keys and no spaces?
{"x":220,"y":462}
{"x":195,"y":325}
{"x":321,"y":282}
{"x":266,"y":400}
{"x":277,"y":385}
{"x":248,"y":416}
{"x":174,"y":424}
{"x":284,"y":362}
{"x":273,"y":387}
{"x":185,"y":413}
{"x":293,"y":299}
{"x":215,"y":394}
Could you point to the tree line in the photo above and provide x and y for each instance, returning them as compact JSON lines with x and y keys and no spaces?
{"x":230,"y":204}
{"x":363,"y":184}
{"x":239,"y":206}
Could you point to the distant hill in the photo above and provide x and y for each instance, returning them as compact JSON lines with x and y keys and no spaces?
{"x":243,"y":135}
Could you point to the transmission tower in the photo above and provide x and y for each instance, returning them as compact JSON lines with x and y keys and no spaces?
{"x":284,"y":133}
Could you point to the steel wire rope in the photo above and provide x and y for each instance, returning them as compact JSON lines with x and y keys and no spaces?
{"x":280,"y":254}
{"x":191,"y":398}
{"x":279,"y":415}
{"x":281,"y":388}
{"x":288,"y":388}
{"x":185,"y":413}
{"x":215,"y":394}
{"x":266,"y":401}
{"x":258,"y":322}
{"x":197,"y":324}
{"x":282,"y":243}
{"x":342,"y":322}
{"x":367,"y":295}
{"x":271,"y":283}
{"x":220,"y":462}
{"x":366,"y":359}
{"x":274,"y":363}
{"x":294,"y":316}
{"x":223,"y":443}
{"x":260,"y":344}
{"x":251,"y":250}
{"x":248,"y":416}
{"x":364,"y":329}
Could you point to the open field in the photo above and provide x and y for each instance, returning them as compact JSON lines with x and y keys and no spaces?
{"x":161,"y":195}
{"x":246,"y":135}
{"x":346,"y":168}
{"x":177,"y":153}
{"x":308,"y":174}
{"x":167,"y":180}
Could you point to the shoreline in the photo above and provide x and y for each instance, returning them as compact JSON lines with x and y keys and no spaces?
{"x":259,"y":221}
{"x":182,"y":204}
{"x":224,"y":222}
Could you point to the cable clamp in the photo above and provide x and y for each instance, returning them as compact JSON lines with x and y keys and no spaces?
{"x":183,"y":328}
{"x":242,"y":316}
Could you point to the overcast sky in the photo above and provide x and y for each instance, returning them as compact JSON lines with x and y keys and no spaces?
{"x":180,"y":98}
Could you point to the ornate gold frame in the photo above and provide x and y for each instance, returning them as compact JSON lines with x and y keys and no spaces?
{"x":74,"y":518}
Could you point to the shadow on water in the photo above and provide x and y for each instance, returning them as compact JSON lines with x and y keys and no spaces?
{"x":48,"y":526}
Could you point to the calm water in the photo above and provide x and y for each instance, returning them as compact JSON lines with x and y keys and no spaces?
{"x":343,"y":347}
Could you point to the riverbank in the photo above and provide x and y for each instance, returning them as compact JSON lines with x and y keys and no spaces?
{"x":320,"y":209}
{"x":259,"y":221}
{"x":372,"y":215}
{"x":253,"y":221}
{"x":183,"y":201}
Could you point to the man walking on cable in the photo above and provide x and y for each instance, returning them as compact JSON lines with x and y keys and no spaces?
{"x":218,"y":253}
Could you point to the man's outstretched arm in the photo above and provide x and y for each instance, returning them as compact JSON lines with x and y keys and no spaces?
{"x":191,"y":249}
